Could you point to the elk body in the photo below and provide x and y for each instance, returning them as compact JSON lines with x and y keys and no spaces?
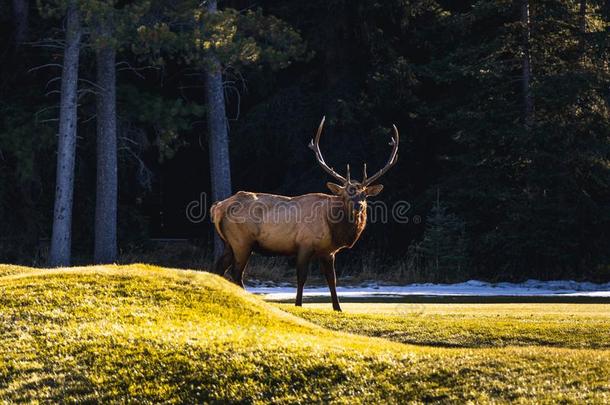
{"x":310,"y":226}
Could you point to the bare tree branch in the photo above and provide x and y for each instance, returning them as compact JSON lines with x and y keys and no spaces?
{"x":48,"y":120}
{"x":135,"y":70}
{"x":45,"y":66}
{"x":91,"y":83}
{"x":37,"y":113}
{"x":84,"y":92}
{"x":51,"y":81}
{"x":89,"y":119}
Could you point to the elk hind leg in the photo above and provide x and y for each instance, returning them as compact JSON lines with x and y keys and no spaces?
{"x":241,"y":256}
{"x":224,"y":261}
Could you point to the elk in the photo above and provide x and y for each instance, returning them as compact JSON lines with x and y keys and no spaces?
{"x":310,"y":226}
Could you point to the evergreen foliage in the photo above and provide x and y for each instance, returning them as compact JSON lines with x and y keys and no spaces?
{"x":441,"y":255}
{"x":534,"y":199}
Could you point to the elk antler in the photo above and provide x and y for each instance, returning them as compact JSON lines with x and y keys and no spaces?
{"x":391,"y":161}
{"x":315,"y":146}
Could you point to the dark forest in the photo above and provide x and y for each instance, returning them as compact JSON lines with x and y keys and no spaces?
{"x":503,"y":109}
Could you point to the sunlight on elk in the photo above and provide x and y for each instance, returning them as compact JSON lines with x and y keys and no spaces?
{"x":310,"y":226}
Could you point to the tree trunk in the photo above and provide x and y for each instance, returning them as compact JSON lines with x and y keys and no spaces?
{"x":526,"y":76}
{"x":582,"y":14}
{"x":218,"y":138}
{"x":61,"y":239}
{"x":582,"y":23}
{"x":106,"y":197}
{"x":20,"y":16}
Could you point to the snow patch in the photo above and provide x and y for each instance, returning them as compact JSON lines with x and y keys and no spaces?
{"x":469,"y":288}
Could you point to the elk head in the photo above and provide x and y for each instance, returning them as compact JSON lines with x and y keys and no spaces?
{"x":353,"y":192}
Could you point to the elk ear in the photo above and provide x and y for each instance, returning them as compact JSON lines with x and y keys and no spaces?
{"x":372,"y":191}
{"x":334,"y":188}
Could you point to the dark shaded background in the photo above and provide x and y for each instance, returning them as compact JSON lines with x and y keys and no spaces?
{"x":497,"y":200}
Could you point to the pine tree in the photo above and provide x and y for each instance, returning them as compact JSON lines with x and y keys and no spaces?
{"x":106,"y":195}
{"x":210,"y":39}
{"x":21,"y":20}
{"x":61,"y":239}
{"x":534,"y":195}
{"x":218,"y":135}
{"x":443,"y":247}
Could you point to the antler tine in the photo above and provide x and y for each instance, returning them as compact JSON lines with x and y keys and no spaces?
{"x":391,"y":161}
{"x":348,"y":175}
{"x":315,"y":146}
{"x":364,"y":173}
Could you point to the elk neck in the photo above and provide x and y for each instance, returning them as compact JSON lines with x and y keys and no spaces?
{"x":345,"y":225}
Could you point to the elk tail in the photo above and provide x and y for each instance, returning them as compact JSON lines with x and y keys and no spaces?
{"x":217,"y":214}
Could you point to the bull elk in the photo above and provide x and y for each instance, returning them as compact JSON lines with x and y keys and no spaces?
{"x":310,"y":226}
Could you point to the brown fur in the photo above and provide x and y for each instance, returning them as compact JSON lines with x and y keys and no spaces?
{"x":310,"y":226}
{"x":307,"y":226}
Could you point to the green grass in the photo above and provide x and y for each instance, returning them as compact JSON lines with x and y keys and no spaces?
{"x":470,"y":325}
{"x":149,"y":334}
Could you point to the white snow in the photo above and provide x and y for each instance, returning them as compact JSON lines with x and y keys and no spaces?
{"x":468,"y":288}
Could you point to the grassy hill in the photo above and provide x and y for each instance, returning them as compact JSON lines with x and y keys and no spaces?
{"x":113,"y":333}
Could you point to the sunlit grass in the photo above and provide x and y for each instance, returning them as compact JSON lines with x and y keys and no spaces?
{"x":470,"y":325}
{"x":144,"y":333}
{"x":9,"y":269}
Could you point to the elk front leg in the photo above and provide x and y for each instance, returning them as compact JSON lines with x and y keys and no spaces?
{"x":303,"y":258}
{"x":327,"y":265}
